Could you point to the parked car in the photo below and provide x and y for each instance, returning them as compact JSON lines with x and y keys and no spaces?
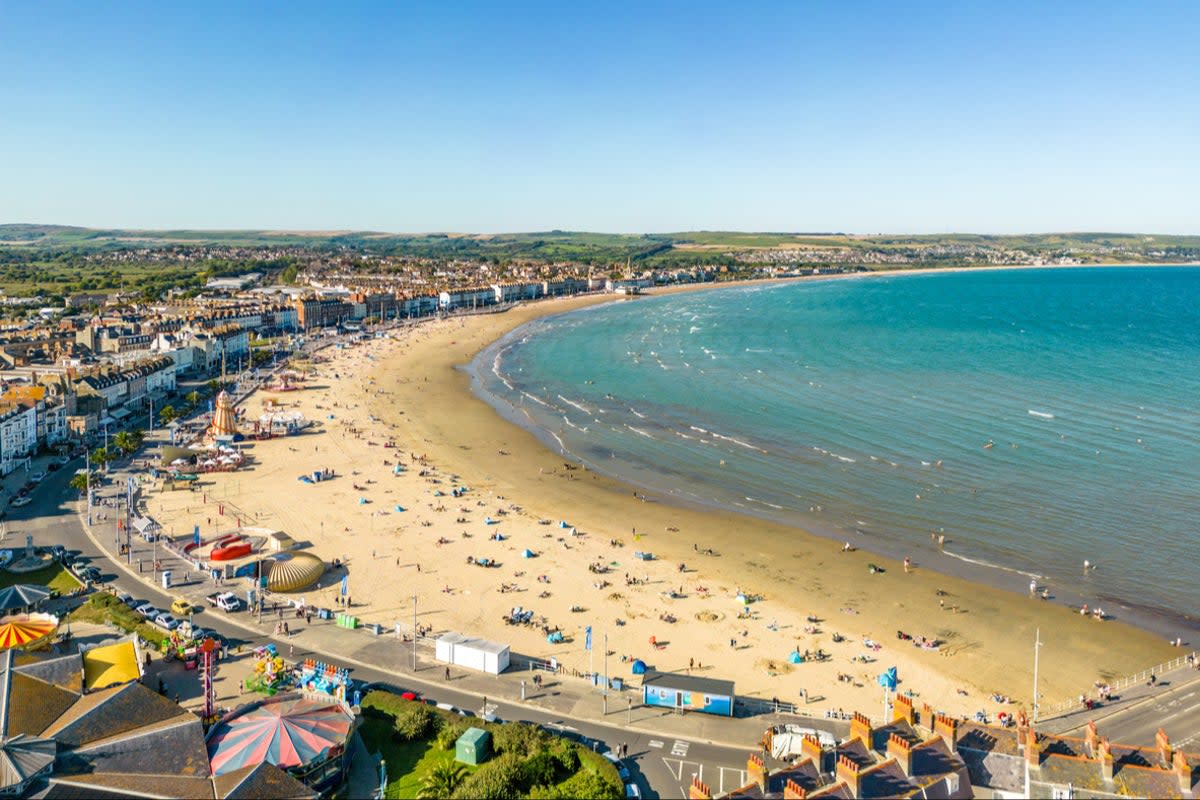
{"x":182,"y":608}
{"x":133,"y":602}
{"x":633,"y":792}
{"x":622,"y":770}
{"x":147,"y":610}
{"x":90,"y":574}
{"x":53,"y":466}
{"x":79,"y":563}
{"x":22,"y":500}
{"x":37,"y":477}
{"x":226,"y":601}
{"x":166,"y":621}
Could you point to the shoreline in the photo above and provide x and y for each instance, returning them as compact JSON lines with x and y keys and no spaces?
{"x":1151,"y":618}
{"x":405,"y":537}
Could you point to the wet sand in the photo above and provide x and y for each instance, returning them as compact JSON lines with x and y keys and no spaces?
{"x":410,"y":388}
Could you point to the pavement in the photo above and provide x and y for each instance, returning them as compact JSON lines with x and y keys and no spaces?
{"x":666,"y":748}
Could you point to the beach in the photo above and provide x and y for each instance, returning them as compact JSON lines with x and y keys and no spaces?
{"x":584,"y":530}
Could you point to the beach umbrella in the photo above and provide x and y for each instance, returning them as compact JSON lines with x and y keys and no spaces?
{"x":639,"y":667}
{"x":528,"y":553}
{"x":741,"y":598}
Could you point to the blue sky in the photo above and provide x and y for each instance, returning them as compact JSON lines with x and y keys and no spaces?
{"x":638,"y":116}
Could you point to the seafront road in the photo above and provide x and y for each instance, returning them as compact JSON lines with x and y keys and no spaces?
{"x":665,"y":749}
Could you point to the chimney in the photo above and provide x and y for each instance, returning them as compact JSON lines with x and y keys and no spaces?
{"x":902,"y":709}
{"x":1164,"y":747}
{"x":810,"y":747}
{"x":899,"y":749}
{"x":699,"y":790}
{"x":947,"y":728}
{"x":860,"y":728}
{"x":847,"y":771}
{"x":1092,"y":738}
{"x":793,"y":791}
{"x":1183,"y":771}
{"x":926,"y":715}
{"x":756,"y":772}
{"x":1104,"y":756}
{"x":1033,"y":751}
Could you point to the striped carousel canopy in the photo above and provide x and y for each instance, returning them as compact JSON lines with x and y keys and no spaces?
{"x":286,"y":731}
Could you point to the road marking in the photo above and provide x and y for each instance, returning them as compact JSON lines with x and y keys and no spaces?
{"x":656,"y":743}
{"x":737,"y":779}
{"x":675,"y":767}
{"x":680,"y":748}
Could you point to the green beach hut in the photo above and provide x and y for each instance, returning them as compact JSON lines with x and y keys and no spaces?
{"x":473,"y":747}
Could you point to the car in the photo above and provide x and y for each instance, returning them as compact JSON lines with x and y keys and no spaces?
{"x":22,"y":500}
{"x":79,"y":563}
{"x":53,"y":466}
{"x":124,"y":598}
{"x":37,"y":477}
{"x":622,"y":770}
{"x":182,"y":608}
{"x":166,"y":621}
{"x":633,"y":792}
{"x":63,"y":461}
{"x":147,"y":610}
{"x":58,"y":551}
{"x":67,"y":556}
{"x":90,"y":574}
{"x":133,"y":602}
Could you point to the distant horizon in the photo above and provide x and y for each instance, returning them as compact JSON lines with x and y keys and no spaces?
{"x":316,"y":231}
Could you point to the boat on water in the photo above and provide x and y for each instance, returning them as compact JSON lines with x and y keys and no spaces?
{"x":989,"y":444}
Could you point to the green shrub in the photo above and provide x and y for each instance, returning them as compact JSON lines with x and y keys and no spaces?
{"x":498,"y":779}
{"x":590,"y":784}
{"x":564,"y":753}
{"x":538,"y":770}
{"x":520,"y":739}
{"x":385,"y":704}
{"x":416,"y":722}
{"x":451,"y":730}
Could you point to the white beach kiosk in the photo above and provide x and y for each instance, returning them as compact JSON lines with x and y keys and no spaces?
{"x":472,"y":653}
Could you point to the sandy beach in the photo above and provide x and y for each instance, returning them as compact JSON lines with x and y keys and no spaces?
{"x":414,"y":536}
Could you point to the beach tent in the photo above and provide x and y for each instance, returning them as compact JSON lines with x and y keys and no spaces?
{"x":362,"y":501}
{"x":555,"y":638}
{"x":399,"y":509}
{"x":741,"y":598}
{"x":528,"y":553}
{"x":639,"y":667}
{"x":796,"y":658}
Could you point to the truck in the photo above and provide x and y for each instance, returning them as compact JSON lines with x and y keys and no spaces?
{"x":226,"y":601}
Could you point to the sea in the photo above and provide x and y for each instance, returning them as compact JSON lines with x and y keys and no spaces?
{"x":1035,"y":418}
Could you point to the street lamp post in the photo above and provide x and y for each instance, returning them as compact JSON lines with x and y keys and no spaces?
{"x":1037,"y":646}
{"x":414,"y":650}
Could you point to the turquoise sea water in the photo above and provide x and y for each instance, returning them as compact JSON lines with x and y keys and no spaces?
{"x":861,"y":409}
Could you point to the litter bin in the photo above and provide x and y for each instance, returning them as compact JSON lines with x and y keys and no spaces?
{"x":166,"y":579}
{"x":376,"y":628}
{"x":324,"y":613}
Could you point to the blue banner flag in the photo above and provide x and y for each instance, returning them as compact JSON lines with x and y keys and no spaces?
{"x":196,"y":535}
{"x":587,"y":638}
{"x":345,"y":585}
{"x":888,"y":679}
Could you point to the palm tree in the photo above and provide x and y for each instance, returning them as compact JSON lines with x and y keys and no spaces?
{"x":79,"y":483}
{"x":442,"y":780}
{"x":193,"y":397}
{"x":100,"y":456}
{"x":167,"y":414}
{"x":124,"y":442}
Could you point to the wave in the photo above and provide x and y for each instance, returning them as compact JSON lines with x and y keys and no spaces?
{"x":1041,"y":414}
{"x":637,"y":414}
{"x":579,"y":406}
{"x":980,"y":562}
{"x":738,"y":442}
{"x":537,"y":399}
{"x":640,"y":432}
{"x":765,"y":503}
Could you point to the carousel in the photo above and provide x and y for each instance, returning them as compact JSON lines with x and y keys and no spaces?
{"x":25,"y":631}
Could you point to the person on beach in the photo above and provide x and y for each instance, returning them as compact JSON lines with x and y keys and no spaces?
{"x":907,"y":564}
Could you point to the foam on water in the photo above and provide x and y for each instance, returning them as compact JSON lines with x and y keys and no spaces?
{"x":852,"y":396}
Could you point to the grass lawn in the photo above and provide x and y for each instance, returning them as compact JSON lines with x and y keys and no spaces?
{"x":55,"y":576}
{"x":103,"y":607}
{"x":407,"y":762}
